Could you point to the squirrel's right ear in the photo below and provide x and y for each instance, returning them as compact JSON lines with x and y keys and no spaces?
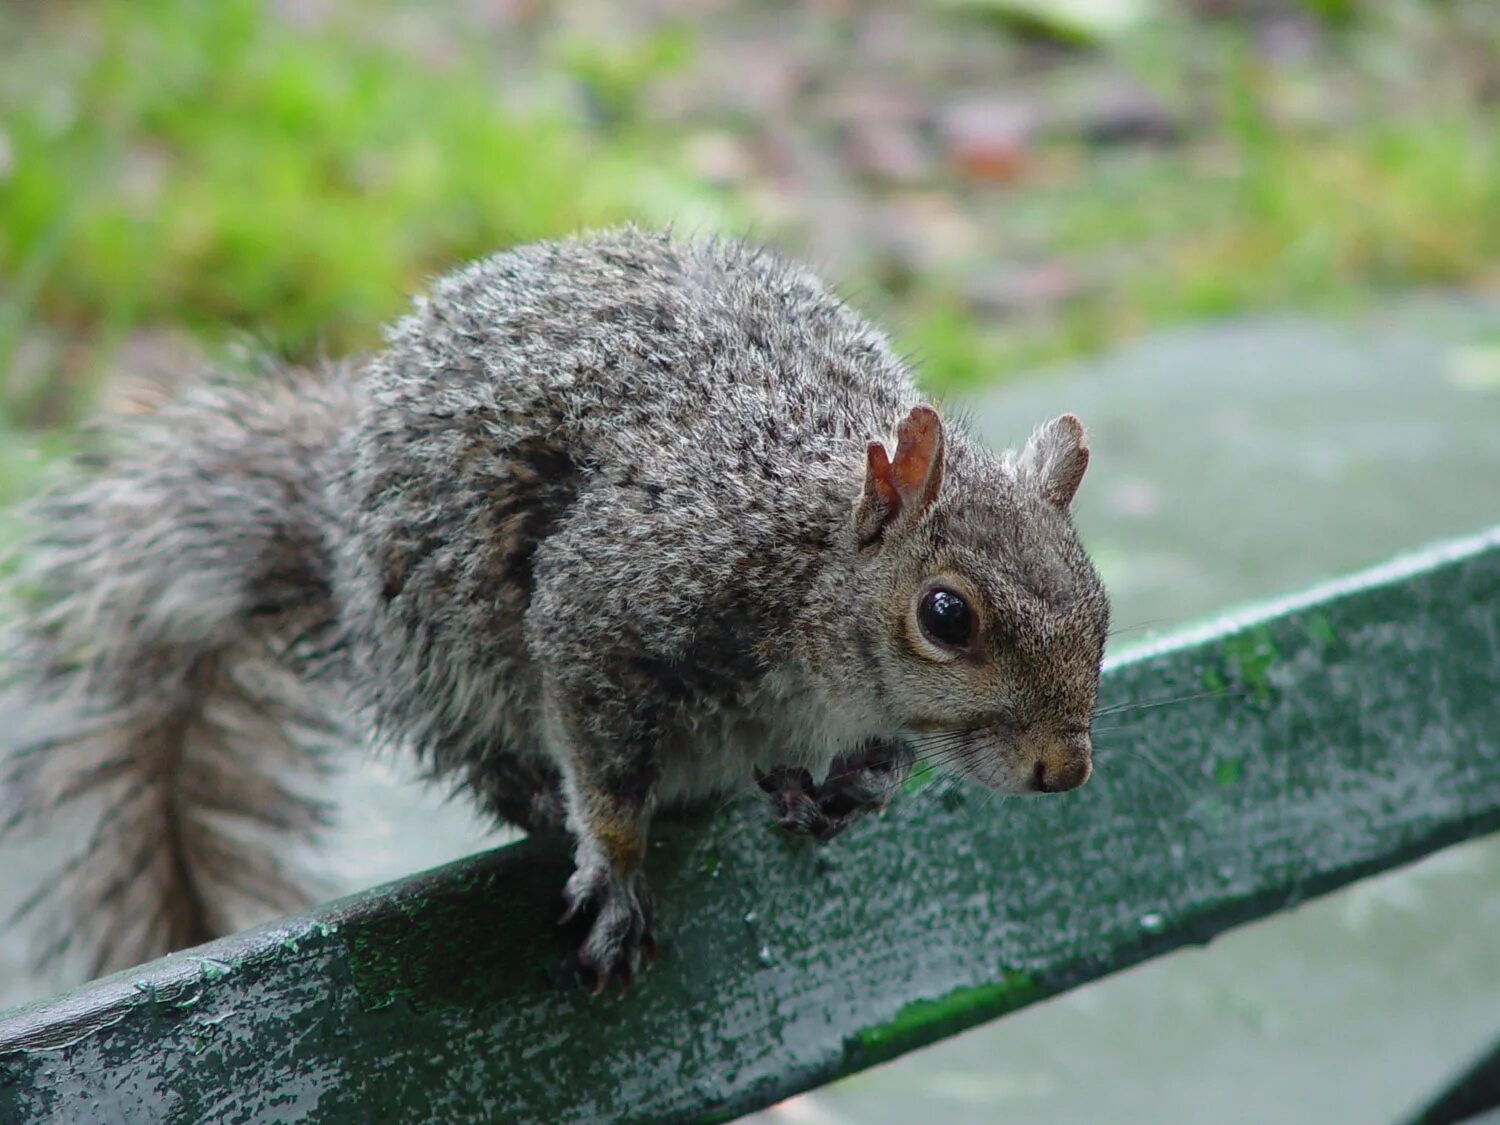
{"x":1054,"y":460}
{"x":900,"y":489}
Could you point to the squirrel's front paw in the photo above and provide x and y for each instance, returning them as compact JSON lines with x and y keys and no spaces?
{"x":803,"y":808}
{"x":794,"y":803}
{"x":861,"y":783}
{"x":619,"y":936}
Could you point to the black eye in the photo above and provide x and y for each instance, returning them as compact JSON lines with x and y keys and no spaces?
{"x":946,"y":618}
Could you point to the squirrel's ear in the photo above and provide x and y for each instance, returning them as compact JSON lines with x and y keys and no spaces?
{"x":1054,"y":460}
{"x":906,"y":485}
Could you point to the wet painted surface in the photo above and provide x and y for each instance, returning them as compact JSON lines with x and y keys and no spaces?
{"x":1325,"y":739}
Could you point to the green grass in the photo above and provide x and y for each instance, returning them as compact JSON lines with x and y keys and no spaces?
{"x":203,"y":164}
{"x":200,"y":163}
{"x":1314,"y":223}
{"x":1255,"y":214}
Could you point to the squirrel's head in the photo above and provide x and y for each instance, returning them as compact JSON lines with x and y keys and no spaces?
{"x":983,"y":620}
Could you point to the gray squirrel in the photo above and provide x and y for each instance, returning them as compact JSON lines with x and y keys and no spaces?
{"x":610,"y":525}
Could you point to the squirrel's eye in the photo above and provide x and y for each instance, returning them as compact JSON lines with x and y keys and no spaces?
{"x":945,"y":618}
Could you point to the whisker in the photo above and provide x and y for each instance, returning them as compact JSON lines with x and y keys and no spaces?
{"x":992,"y":796}
{"x":946,"y":750}
{"x":938,"y":754}
{"x":1156,"y":764}
{"x":954,"y":732}
{"x":1139,"y":625}
{"x":940,"y":787}
{"x":1151,"y":704}
{"x":958,"y":760}
{"x":940,"y":743}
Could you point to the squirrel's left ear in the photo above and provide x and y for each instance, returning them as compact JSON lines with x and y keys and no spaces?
{"x":1054,"y":460}
{"x":900,"y":488}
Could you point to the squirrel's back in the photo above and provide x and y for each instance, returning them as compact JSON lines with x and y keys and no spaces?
{"x":633,"y":340}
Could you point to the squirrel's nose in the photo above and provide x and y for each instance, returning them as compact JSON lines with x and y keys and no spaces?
{"x":1061,"y":768}
{"x":1060,"y":778}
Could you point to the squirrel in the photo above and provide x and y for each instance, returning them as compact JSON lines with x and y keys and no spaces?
{"x":610,"y":525}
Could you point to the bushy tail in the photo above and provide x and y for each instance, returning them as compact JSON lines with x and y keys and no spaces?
{"x":157,"y":715}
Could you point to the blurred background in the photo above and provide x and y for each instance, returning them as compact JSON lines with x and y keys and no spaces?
{"x":1047,"y":201}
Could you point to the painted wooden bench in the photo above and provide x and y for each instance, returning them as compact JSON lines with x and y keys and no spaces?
{"x":1307,"y":744}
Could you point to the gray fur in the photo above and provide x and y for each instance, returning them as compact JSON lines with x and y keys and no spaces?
{"x":169,"y":607}
{"x":583,"y":537}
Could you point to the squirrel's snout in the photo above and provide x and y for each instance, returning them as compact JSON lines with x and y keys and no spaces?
{"x":1062,"y":766}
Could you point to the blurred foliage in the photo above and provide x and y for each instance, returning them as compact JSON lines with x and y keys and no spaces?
{"x":1270,"y":199}
{"x":614,"y":75}
{"x":210,"y":164}
{"x":234,"y":166}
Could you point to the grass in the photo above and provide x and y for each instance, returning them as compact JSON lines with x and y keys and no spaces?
{"x":199,"y":163}
{"x":1255,"y":214}
{"x":1289,"y":222}
{"x":202,"y":164}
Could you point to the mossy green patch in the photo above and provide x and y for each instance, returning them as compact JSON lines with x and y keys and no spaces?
{"x":213,"y":970}
{"x":1250,"y":656}
{"x":1320,"y":629}
{"x":922,"y":1021}
{"x":1213,"y":680}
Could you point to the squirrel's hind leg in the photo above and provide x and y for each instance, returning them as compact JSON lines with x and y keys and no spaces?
{"x":609,"y":797}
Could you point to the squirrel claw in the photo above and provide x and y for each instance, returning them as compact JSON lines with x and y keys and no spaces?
{"x":619,"y":936}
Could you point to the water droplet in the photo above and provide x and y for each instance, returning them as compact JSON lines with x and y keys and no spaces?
{"x":1153,"y":923}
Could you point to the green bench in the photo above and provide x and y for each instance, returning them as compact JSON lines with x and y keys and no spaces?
{"x":1321,"y":740}
{"x":1257,"y":761}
